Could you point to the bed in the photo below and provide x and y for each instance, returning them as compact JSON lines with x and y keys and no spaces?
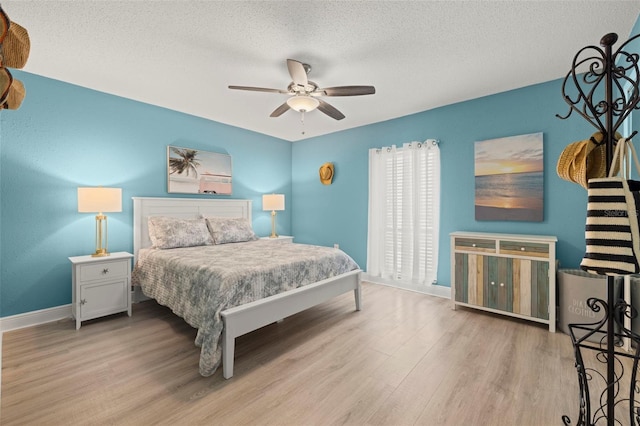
{"x":227,"y":290}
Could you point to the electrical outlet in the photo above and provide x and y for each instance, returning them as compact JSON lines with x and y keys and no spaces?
{"x":336,"y":245}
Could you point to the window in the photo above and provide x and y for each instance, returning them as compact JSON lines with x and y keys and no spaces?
{"x":404,"y":206}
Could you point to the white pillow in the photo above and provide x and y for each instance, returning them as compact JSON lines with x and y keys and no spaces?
{"x":230,"y":229}
{"x":170,"y":232}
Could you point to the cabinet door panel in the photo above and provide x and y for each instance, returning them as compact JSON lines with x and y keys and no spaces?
{"x":515,"y":279}
{"x":505,"y":284}
{"x":469,"y":278}
{"x":525,"y":287}
{"x":534,"y":289}
{"x":541,"y":295}
{"x":472,"y":279}
{"x":103,"y":298}
{"x":491,"y":267}
{"x":512,"y":285}
{"x":461,"y":277}
{"x":480,"y":280}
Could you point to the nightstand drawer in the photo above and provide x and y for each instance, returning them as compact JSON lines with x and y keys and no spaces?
{"x":104,"y":270}
{"x":525,"y":248}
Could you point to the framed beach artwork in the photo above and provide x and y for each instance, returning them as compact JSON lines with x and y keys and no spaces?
{"x":509,"y":178}
{"x":191,"y":171}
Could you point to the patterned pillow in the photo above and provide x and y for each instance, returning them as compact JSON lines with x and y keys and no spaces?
{"x":171,"y":232}
{"x":230,"y":229}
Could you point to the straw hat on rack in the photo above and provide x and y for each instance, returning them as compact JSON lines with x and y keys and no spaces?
{"x":15,"y":42}
{"x":14,"y":52}
{"x":584,"y":160}
{"x":16,"y":46}
{"x":15,"y":96}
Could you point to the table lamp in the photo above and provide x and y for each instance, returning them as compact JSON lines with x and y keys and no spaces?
{"x":100,"y":200}
{"x":273,"y":202}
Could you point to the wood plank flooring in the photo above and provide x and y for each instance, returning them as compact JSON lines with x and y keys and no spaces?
{"x":405,"y":359}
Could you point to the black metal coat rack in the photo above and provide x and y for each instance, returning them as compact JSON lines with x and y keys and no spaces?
{"x":595,"y":69}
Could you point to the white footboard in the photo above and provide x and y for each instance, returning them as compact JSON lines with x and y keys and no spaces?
{"x":251,"y":316}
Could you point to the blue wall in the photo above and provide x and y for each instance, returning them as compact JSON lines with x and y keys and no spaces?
{"x":65,"y":136}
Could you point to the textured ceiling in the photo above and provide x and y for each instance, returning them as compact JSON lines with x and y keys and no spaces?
{"x":419,"y":55}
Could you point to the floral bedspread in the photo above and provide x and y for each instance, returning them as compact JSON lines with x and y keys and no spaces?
{"x":198,"y":283}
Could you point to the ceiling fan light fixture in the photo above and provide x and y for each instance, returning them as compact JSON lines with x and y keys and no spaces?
{"x":303,"y":103}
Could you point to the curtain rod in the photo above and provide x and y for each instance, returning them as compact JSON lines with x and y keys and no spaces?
{"x":434,"y":142}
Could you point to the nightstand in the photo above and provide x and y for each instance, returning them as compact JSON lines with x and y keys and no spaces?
{"x":280,"y":239}
{"x":101,"y":286}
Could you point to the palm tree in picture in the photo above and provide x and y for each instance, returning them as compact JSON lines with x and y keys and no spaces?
{"x":185,"y":162}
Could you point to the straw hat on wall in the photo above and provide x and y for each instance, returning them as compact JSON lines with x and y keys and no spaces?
{"x":326,"y":173}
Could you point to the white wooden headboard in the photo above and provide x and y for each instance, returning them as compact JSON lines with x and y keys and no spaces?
{"x":185,"y":208}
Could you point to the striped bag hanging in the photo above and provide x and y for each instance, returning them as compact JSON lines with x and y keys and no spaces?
{"x":611,"y":233}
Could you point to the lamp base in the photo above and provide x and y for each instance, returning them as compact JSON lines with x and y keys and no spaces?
{"x":273,"y":225}
{"x":100,"y":253}
{"x":101,"y":236}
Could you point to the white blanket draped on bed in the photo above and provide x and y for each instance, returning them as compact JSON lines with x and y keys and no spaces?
{"x":198,"y":283}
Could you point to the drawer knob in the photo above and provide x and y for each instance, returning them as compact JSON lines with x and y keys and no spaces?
{"x":521,"y":248}
{"x":493,"y":283}
{"x":501,"y":284}
{"x":473,"y":245}
{"x":105,"y":271}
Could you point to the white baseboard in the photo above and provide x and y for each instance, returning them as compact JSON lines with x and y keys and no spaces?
{"x":433,"y":290}
{"x":29,"y":319}
{"x":32,"y":318}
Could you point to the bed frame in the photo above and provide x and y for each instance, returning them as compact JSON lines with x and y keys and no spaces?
{"x":251,"y":316}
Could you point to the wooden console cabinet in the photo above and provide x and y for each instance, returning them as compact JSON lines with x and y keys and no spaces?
{"x":507,"y":274}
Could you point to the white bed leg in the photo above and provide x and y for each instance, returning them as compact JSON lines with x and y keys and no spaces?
{"x":358,"y":295}
{"x":228,"y":348}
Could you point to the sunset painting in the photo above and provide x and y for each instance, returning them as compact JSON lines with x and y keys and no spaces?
{"x":509,"y":178}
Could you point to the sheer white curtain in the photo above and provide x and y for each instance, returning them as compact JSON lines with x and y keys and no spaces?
{"x":404,"y":212}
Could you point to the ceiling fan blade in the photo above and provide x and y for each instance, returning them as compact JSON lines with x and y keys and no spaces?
{"x":330,"y":110}
{"x":280,"y":110}
{"x":297,"y":72}
{"x":258,"y":89}
{"x":348,"y":90}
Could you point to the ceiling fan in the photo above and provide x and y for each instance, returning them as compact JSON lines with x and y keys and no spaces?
{"x":304,"y":94}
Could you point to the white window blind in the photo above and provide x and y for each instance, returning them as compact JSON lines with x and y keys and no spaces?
{"x":404,"y":206}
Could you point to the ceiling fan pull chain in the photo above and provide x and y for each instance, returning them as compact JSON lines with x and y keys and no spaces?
{"x":302,"y":120}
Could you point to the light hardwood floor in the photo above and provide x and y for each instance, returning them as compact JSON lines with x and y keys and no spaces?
{"x":405,"y":359}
